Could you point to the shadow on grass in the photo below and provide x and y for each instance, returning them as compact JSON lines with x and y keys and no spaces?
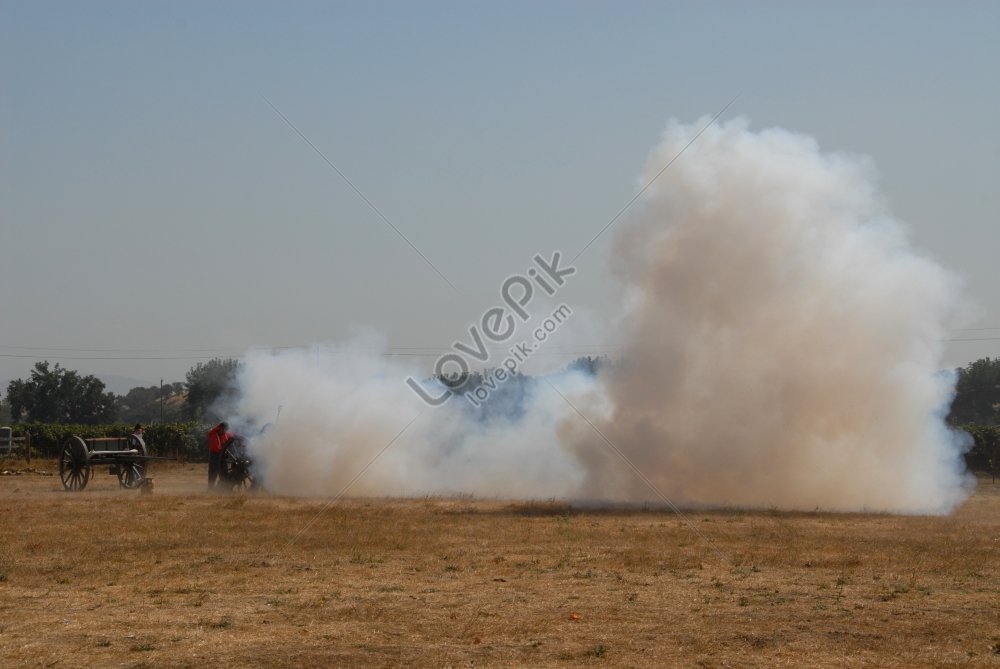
{"x":552,"y":508}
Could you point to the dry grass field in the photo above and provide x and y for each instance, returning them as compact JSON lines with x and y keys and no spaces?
{"x":180,"y":578}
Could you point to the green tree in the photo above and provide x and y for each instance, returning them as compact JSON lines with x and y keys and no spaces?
{"x":588,"y":364}
{"x":59,"y":395}
{"x":977,"y":393}
{"x":207,"y":383}
{"x":18,"y":399}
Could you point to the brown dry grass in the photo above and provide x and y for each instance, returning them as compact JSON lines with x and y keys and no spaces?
{"x":183,"y":579}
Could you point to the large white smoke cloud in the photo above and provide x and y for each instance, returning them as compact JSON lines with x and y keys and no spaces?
{"x":781,"y":347}
{"x":342,"y":404}
{"x":783,"y":341}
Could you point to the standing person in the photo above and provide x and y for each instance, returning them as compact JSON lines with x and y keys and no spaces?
{"x":217,"y":438}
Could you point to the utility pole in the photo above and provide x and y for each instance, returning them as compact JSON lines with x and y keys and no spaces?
{"x":161,"y":400}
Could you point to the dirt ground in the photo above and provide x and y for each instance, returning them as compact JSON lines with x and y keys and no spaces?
{"x":181,"y":578}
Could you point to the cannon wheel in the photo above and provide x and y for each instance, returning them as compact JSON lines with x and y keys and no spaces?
{"x":236,"y":466}
{"x":131,"y":474}
{"x":74,"y":468}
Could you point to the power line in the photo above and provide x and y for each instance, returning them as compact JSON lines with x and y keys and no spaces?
{"x":71,"y":353}
{"x":973,"y":339}
{"x":432,"y":354}
{"x":140,"y":350}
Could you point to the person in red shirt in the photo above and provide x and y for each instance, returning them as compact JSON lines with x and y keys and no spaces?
{"x":218,"y":436}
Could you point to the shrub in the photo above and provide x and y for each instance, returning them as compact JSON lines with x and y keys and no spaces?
{"x":184,"y":439}
{"x":985,"y":454}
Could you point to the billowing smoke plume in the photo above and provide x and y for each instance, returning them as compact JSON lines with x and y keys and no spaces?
{"x":783,"y":341}
{"x":781,"y":348}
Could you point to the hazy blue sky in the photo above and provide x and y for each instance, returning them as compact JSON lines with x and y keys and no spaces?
{"x":152,"y":204}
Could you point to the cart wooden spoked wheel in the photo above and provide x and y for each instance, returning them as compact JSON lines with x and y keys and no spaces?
{"x":132,"y":472}
{"x":74,"y":464}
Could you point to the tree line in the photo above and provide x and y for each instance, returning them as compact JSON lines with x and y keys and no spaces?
{"x":54,"y":394}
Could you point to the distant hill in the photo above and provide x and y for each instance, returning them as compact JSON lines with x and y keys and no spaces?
{"x":119,"y":385}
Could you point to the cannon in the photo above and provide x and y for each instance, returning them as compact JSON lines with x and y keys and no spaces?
{"x":236,"y":470}
{"x":125,"y":456}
